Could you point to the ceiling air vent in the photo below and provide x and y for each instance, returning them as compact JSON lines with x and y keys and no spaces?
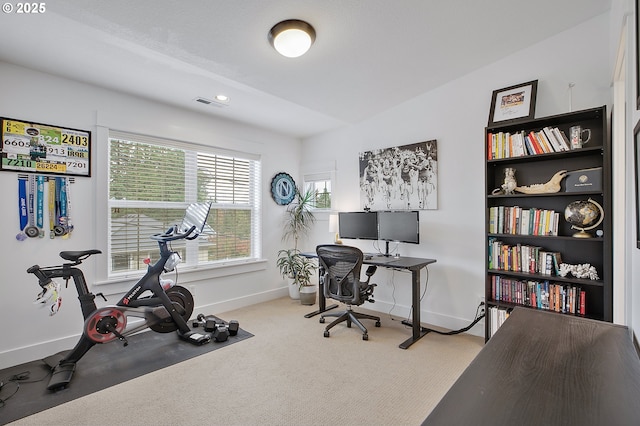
{"x":206,"y":101}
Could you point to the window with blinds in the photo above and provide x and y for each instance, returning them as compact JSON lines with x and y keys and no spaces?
{"x":151,"y":183}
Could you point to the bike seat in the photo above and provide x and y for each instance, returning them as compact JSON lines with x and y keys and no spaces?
{"x":74,"y":256}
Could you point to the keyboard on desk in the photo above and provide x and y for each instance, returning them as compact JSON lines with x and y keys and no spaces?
{"x":379,"y":258}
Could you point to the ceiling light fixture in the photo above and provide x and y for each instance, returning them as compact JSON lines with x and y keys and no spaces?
{"x":292,"y":38}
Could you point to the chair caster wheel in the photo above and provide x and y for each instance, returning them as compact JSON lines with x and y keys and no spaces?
{"x":326,"y":333}
{"x":321,"y":320}
{"x":377,"y":323}
{"x":365,"y":337}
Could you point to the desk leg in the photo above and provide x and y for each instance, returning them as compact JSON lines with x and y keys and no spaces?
{"x":322,"y":302}
{"x":417,"y":330}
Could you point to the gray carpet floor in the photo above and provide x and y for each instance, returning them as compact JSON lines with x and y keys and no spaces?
{"x":287,"y":374}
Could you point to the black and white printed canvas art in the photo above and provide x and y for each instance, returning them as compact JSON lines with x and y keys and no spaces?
{"x":400,"y":178}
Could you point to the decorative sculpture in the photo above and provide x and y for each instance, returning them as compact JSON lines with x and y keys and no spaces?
{"x":582,"y":270}
{"x":509,"y":184}
{"x":544,"y":188}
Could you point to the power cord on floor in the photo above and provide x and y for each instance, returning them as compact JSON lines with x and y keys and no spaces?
{"x":480,"y":313}
{"x":16,"y":379}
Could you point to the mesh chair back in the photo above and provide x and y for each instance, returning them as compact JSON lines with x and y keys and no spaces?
{"x":341,"y":266}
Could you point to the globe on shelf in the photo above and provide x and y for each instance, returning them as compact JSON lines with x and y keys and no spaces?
{"x":584,"y":216}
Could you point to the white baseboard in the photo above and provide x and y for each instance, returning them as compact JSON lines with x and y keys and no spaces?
{"x":37,"y":351}
{"x":241,"y":302}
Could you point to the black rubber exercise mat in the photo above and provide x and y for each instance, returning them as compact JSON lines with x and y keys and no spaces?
{"x":103,"y":366}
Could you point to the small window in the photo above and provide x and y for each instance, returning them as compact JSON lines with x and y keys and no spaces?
{"x":321,"y":184}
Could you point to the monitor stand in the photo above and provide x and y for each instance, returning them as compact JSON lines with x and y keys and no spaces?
{"x":386,"y":251}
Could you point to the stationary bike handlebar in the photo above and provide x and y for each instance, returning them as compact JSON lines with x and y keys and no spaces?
{"x":172,"y":234}
{"x":44,"y":276}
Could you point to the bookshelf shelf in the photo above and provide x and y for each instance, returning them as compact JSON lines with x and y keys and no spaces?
{"x":557,"y":194}
{"x":506,"y":238}
{"x":548,"y":237}
{"x":543,"y":157}
{"x":541,"y":277}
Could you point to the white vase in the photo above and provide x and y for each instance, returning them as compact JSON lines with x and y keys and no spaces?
{"x":308,"y":295}
{"x":294,"y":289}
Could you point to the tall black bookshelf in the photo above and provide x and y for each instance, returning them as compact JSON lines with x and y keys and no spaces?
{"x":508,"y":285}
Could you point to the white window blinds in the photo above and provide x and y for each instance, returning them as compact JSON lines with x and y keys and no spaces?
{"x":152,"y":181}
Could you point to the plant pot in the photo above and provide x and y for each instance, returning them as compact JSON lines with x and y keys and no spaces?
{"x":308,"y":295}
{"x":294,"y":289}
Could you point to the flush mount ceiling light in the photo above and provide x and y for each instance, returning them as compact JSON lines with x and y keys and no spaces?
{"x":292,"y":38}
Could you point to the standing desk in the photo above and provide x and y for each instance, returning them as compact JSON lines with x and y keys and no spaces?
{"x":413,"y":264}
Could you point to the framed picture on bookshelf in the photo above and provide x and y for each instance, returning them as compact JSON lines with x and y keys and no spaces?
{"x":514,"y":103}
{"x":636,"y":138}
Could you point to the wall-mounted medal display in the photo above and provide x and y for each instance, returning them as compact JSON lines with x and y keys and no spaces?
{"x":31,"y":206}
{"x":42,"y":148}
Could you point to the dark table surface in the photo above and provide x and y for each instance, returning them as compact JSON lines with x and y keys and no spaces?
{"x":544,"y":368}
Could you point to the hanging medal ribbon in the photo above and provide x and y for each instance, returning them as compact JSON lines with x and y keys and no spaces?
{"x":52,"y":207}
{"x":69,"y":227}
{"x":22,"y":208}
{"x":61,"y":207}
{"x":40,"y":206}
{"x":31,"y":231}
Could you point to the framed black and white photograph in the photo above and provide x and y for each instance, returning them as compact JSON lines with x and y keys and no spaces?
{"x":400,"y":178}
{"x":636,"y":138}
{"x":513,"y":103}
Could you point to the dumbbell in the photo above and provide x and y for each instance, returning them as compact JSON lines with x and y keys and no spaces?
{"x":220,"y":333}
{"x":233,"y":327}
{"x":209,"y":323}
{"x":198,"y":322}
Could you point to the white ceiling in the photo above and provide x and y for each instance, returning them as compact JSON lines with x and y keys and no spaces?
{"x":369,"y":55}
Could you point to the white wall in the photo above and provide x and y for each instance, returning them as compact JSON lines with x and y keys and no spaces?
{"x":456,"y":114}
{"x":28,"y":332}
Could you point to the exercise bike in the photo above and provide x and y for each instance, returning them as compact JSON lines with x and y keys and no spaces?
{"x":163,"y":310}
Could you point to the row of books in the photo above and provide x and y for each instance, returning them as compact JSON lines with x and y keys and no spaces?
{"x":516,"y":220}
{"x":564,"y":298}
{"x":520,"y":144}
{"x":523,"y":258}
{"x":496,"y":317}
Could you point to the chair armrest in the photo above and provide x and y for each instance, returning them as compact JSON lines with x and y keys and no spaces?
{"x":371,"y":270}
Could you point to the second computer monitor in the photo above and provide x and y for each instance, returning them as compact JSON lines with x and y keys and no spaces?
{"x":358,"y":225}
{"x":401,"y":226}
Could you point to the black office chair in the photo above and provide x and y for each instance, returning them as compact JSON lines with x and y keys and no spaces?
{"x":340,"y":271}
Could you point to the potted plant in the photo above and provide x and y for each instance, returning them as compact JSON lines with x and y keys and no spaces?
{"x":297,"y":222}
{"x":299,"y":270}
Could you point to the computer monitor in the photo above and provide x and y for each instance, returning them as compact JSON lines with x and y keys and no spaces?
{"x":399,"y":226}
{"x":358,"y":225}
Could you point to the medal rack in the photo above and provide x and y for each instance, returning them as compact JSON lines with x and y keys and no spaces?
{"x":44,"y":206}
